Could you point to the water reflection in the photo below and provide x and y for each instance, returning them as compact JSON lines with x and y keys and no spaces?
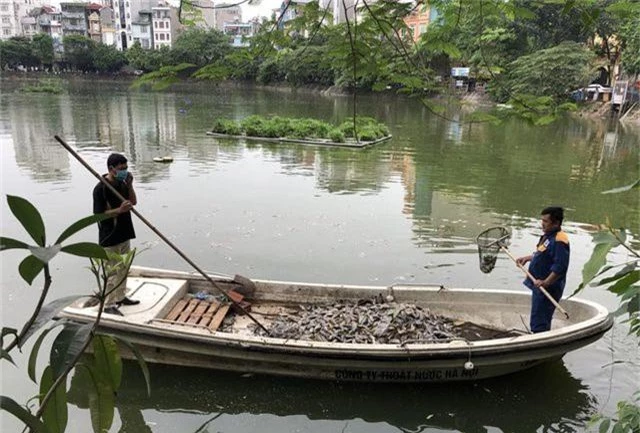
{"x":545,"y":398}
{"x":449,"y":171}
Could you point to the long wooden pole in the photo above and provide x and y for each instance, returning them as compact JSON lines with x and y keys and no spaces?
{"x":156,"y":231}
{"x":542,"y":289}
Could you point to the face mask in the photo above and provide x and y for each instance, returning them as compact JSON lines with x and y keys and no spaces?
{"x":121,"y":175}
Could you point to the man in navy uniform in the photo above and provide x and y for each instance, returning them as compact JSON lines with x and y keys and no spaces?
{"x":549,"y":264}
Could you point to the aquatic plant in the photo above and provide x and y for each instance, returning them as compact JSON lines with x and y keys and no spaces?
{"x":301,"y":128}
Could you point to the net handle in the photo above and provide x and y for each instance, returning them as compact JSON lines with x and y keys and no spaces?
{"x":528,"y":274}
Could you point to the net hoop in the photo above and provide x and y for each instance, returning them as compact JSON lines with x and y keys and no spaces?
{"x":489,"y":243}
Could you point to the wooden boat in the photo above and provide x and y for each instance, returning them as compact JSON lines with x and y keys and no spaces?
{"x":174,"y":324}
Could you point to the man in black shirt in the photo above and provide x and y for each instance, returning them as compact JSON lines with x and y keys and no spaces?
{"x":115,"y":232}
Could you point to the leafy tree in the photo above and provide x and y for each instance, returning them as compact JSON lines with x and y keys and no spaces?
{"x":551,"y":72}
{"x":107,"y":58}
{"x":42,"y":44}
{"x":17,"y":51}
{"x":630,"y":35}
{"x":200,"y":47}
{"x":79,"y":52}
{"x":148,"y":60}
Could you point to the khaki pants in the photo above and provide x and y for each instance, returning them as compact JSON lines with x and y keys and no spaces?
{"x":117,"y":291}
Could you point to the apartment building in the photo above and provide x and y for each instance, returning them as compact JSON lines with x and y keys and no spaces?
{"x":11,"y":14}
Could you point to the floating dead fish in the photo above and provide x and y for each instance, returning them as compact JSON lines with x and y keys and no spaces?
{"x":371,"y":321}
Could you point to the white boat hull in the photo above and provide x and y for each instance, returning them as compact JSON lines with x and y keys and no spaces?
{"x":239,"y":350}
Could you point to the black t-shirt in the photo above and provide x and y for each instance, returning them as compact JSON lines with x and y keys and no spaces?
{"x":112,"y":231}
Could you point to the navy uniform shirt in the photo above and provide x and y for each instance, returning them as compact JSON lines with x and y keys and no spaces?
{"x":552,"y":255}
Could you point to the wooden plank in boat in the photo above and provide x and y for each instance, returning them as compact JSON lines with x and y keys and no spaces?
{"x":219,"y":317}
{"x":188,"y":310}
{"x":176,"y":310}
{"x":200,"y":309}
{"x":208,"y":315}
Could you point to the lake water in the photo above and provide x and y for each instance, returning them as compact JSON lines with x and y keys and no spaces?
{"x":407,"y":210}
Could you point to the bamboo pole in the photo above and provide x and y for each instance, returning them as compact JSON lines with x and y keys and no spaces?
{"x":157,"y":232}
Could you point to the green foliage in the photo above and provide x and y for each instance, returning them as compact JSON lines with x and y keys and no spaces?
{"x":270,"y":71}
{"x":29,"y":420}
{"x":336,"y":135}
{"x":72,"y":341}
{"x":17,"y":51}
{"x":627,"y":419}
{"x":42,"y":45}
{"x":79,"y":52}
{"x":53,"y":86}
{"x":200,"y":47}
{"x":55,"y":414}
{"x":107,"y":58}
{"x":225,"y":126}
{"x":552,"y":72}
{"x":162,"y":78}
{"x":301,"y":128}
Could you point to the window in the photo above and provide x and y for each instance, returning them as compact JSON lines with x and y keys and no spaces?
{"x":128,"y":16}
{"x":6,"y":20}
{"x":162,"y":36}
{"x":4,"y":8}
{"x":155,"y":24}
{"x":162,"y":24}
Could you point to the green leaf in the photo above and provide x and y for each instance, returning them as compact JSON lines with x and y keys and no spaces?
{"x":597,"y":260}
{"x":29,"y":268}
{"x":3,"y":353}
{"x":621,"y":273}
{"x":626,"y":188}
{"x":108,"y":361}
{"x":22,"y":414}
{"x":86,"y":249}
{"x":33,"y":357}
{"x":67,"y":345}
{"x":29,"y":217}
{"x":79,"y":225}
{"x":101,"y":401}
{"x":55,"y":412}
{"x":604,"y":425}
{"x":47,"y":313}
{"x":624,"y":283}
{"x":8,"y":243}
{"x":141,"y":361}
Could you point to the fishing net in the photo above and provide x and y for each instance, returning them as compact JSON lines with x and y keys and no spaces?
{"x":489,"y":243}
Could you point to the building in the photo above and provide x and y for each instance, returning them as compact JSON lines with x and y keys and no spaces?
{"x":142,"y":29}
{"x":241,"y":32}
{"x":94,"y":26}
{"x":107,"y":26}
{"x":11,"y":14}
{"x":152,"y":20}
{"x":73,"y":19}
{"x":418,"y":21}
{"x":226,"y":13}
{"x":202,"y":15}
{"x":163,"y":26}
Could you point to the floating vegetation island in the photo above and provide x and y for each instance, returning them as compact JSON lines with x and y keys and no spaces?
{"x":304,"y":130}
{"x":43,"y":86}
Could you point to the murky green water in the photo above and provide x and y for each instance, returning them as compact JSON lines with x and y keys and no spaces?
{"x":404,"y":211}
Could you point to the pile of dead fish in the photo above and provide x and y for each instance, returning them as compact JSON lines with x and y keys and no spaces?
{"x":367,"y":321}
